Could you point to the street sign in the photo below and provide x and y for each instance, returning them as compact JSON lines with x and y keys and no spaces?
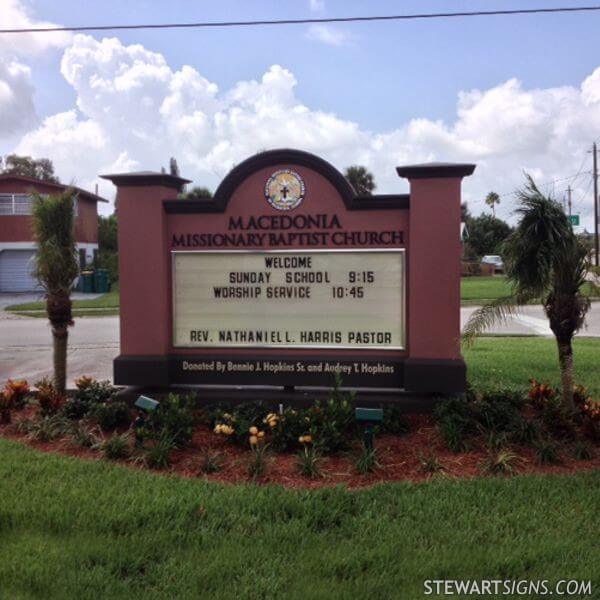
{"x":574,"y":220}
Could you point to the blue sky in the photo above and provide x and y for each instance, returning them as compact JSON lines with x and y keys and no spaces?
{"x":378,"y":93}
{"x":385,"y":73}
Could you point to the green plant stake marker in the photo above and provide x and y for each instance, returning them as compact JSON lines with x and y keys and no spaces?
{"x":368,"y":417}
{"x":146,"y":404}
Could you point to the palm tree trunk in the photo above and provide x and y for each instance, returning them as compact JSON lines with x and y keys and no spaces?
{"x":60,"y":336}
{"x":565,"y":358}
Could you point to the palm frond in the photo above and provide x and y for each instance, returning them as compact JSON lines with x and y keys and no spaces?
{"x":488,"y":315}
{"x":56,"y":259}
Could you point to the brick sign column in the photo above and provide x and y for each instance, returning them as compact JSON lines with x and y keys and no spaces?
{"x":435,"y":363}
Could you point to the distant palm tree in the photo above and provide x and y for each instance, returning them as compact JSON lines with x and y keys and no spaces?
{"x":361,"y":180}
{"x":545,"y":261}
{"x":491,"y":200}
{"x":56,"y":270}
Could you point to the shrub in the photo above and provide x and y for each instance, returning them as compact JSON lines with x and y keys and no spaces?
{"x":46,"y":428}
{"x":582,"y":451}
{"x":157,"y":455}
{"x":540,"y":393}
{"x":16,"y":392}
{"x":286,"y":429}
{"x":590,"y":419}
{"x":394,"y":420}
{"x":210,"y":462}
{"x":367,"y":460}
{"x":526,"y":432}
{"x":309,"y":461}
{"x":502,"y":462}
{"x":112,"y":415}
{"x":236,"y":421}
{"x":497,"y":441}
{"x":453,"y":434}
{"x":558,"y":420}
{"x":332,"y":423}
{"x":115,"y":447}
{"x":84,"y":382}
{"x":497,"y":413}
{"x":89,"y":395}
{"x":49,"y":399}
{"x":257,"y":465}
{"x":82,"y":435}
{"x":6,"y":407}
{"x":511,"y":396}
{"x":174,"y":418}
{"x":546,"y":451}
{"x":430,"y":463}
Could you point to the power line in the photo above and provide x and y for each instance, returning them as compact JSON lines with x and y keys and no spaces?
{"x":406,"y":17}
{"x":545,"y":184}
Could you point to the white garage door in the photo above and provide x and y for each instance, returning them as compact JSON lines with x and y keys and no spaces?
{"x":15,"y":271}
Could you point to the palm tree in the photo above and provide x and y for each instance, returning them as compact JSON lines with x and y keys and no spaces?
{"x":56,"y":270}
{"x":491,"y":200}
{"x":545,"y":261}
{"x":361,"y":180}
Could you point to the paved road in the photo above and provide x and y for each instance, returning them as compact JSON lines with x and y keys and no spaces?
{"x":25,"y":342}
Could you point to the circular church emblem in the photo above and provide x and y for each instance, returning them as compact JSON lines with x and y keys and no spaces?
{"x":284,"y":190}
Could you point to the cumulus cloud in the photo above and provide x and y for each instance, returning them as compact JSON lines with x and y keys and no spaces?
{"x":326,"y":34}
{"x":14,"y":15}
{"x":134,"y":111}
{"x":316,"y":5}
{"x":16,"y":97}
{"x":17,"y":112}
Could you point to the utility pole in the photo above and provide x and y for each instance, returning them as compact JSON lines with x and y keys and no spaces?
{"x":595,"y":175}
{"x":569,"y":190}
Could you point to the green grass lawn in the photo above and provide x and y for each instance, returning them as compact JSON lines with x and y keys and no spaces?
{"x":478,"y":290}
{"x":513,"y":361}
{"x":474,"y":290}
{"x":107,"y":304}
{"x":82,"y":529}
{"x":79,"y":529}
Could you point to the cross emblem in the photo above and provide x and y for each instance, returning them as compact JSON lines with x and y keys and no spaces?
{"x":284,"y":191}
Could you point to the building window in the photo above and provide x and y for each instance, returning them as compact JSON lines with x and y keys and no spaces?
{"x":15,"y":204}
{"x":22,"y":204}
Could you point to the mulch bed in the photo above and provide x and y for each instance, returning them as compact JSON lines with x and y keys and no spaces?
{"x":399,"y":457}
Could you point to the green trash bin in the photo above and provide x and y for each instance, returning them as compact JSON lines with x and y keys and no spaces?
{"x":101,"y":281}
{"x":86,"y":282}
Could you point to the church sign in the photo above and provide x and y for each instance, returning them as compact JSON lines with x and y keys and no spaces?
{"x":286,"y":278}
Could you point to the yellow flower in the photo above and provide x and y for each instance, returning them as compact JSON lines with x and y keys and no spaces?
{"x":301,"y":439}
{"x":253,"y":440}
{"x":218,"y":428}
{"x":307,"y":439}
{"x":253,"y":430}
{"x":261,"y":434}
{"x":227,"y":429}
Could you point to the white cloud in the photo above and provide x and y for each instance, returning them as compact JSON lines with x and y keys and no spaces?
{"x":14,"y":15}
{"x":16,"y":97}
{"x":317,"y":5}
{"x":326,"y":34}
{"x":17,"y":111}
{"x":134,"y":112}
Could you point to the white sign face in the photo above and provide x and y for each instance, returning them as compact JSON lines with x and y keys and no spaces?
{"x":328,"y":299}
